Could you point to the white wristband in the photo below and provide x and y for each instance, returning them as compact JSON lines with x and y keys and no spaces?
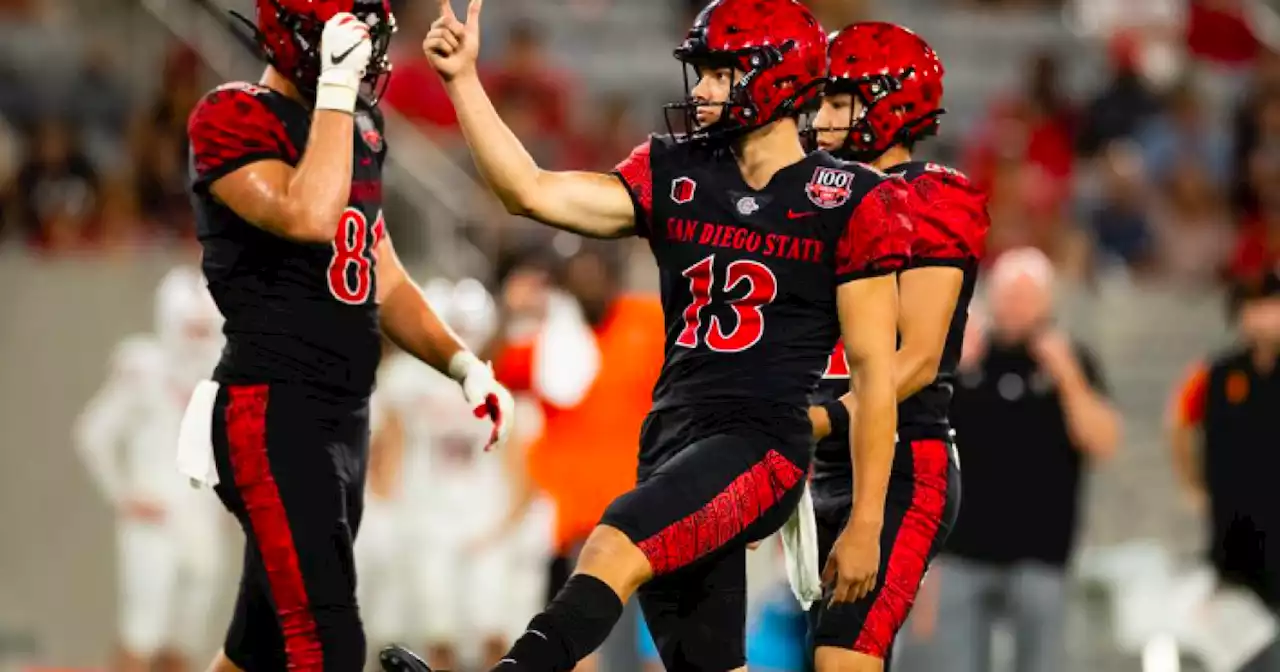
{"x":462,"y":363}
{"x":338,"y":90}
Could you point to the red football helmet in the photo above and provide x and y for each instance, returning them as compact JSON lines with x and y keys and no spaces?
{"x":288,"y":33}
{"x":777,"y":44}
{"x":898,"y":78}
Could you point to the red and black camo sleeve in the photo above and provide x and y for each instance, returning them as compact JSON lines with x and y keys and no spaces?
{"x":951,"y":229}
{"x":231,"y":128}
{"x":877,"y":238}
{"x":636,"y":174}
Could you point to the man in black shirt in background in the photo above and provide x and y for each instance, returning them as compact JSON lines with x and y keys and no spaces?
{"x":1029,"y":412}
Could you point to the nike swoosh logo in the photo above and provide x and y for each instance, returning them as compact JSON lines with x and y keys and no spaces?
{"x":338,"y":59}
{"x":792,"y":214}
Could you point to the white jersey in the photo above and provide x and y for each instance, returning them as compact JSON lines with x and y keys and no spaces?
{"x":450,"y":483}
{"x":169,"y":568}
{"x":128,"y":433}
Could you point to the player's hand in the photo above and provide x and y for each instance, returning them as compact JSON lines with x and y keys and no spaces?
{"x":751,"y":546}
{"x":1053,"y":351}
{"x":853,"y":564}
{"x":142,"y":510}
{"x":452,"y":46}
{"x":974,"y":344}
{"x":345,"y":50}
{"x":489,"y":400}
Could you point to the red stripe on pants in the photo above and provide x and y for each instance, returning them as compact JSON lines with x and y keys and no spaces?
{"x":911,"y":547}
{"x":246,"y":417}
{"x":741,"y":502}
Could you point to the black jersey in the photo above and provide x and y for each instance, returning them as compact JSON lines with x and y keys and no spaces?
{"x":749,"y":277}
{"x":950,"y":230}
{"x":295,"y":312}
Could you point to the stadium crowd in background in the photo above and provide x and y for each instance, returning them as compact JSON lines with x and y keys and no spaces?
{"x":1171,"y":176}
{"x":1167,"y":171}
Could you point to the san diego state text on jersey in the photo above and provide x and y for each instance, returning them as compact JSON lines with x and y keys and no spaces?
{"x":295,"y":312}
{"x":749,"y":276}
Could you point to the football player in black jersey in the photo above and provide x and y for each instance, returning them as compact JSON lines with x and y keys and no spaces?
{"x":882,"y":95}
{"x":767,"y":255}
{"x":287,"y":190}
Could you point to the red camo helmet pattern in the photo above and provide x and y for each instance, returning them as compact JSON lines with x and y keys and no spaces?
{"x":778,"y":44}
{"x":898,"y":77}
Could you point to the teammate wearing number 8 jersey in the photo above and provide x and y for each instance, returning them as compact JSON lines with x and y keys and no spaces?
{"x":766,"y":255}
{"x":882,"y":96}
{"x":287,"y":189}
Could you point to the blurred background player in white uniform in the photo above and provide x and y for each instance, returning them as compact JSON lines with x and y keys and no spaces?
{"x":431,"y":570}
{"x":169,"y":540}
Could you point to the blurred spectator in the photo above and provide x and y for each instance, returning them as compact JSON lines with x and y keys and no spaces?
{"x":10,"y":158}
{"x":836,"y":14}
{"x":1119,"y":223}
{"x":1192,"y":228}
{"x":1256,"y":124}
{"x":1223,"y":439}
{"x":18,"y":104}
{"x":120,"y":226}
{"x":591,"y":355}
{"x":610,"y":139}
{"x":1258,"y":246}
{"x":415,"y":90}
{"x":99,"y":105}
{"x":525,"y":70}
{"x":1183,"y":131}
{"x":1026,"y":211}
{"x":1035,"y":127}
{"x":521,"y":110}
{"x":1219,"y":31}
{"x":160,"y":146}
{"x":1121,"y":108}
{"x":1028,"y":411}
{"x":55,"y":195}
{"x":577,"y":352}
{"x":1023,"y":158}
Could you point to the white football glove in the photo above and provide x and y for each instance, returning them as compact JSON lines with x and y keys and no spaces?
{"x":486,"y":396}
{"x":345,"y":50}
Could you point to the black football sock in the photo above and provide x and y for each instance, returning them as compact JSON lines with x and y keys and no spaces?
{"x":575,"y":624}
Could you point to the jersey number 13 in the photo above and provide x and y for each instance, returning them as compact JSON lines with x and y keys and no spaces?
{"x":762,"y":288}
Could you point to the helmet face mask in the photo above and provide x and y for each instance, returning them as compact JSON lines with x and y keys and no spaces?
{"x":778,"y":48}
{"x":860,"y":142}
{"x":288,"y":34}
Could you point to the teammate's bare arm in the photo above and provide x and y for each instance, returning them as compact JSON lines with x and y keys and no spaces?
{"x":590,"y":204}
{"x":868,"y":319}
{"x":929,"y":295}
{"x":408,"y":320}
{"x":406,"y":317}
{"x":302,"y":202}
